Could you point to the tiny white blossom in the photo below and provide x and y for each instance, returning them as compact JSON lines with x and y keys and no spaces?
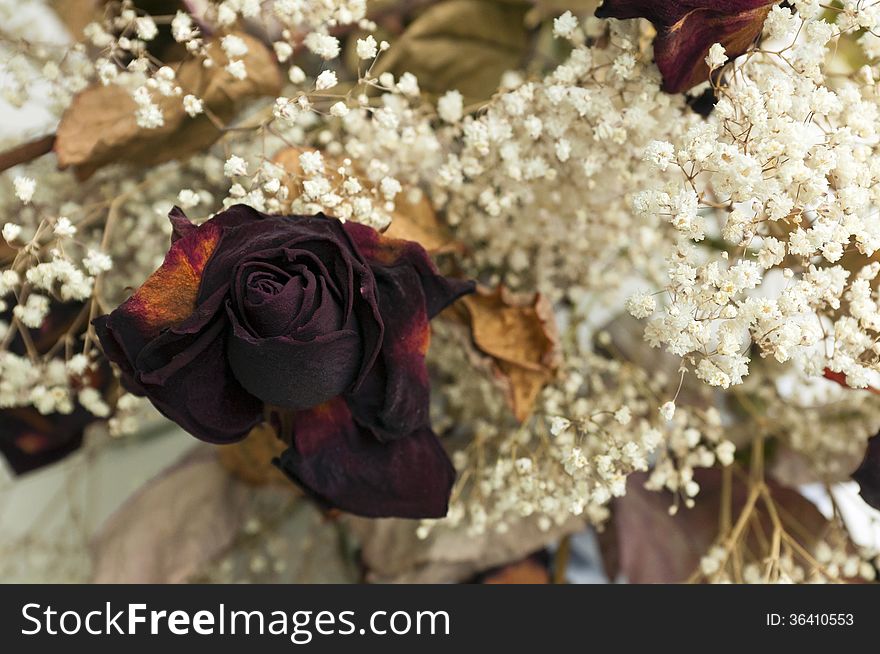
{"x":323,"y":45}
{"x":235,"y":166}
{"x":283,"y":51}
{"x":64,"y":228}
{"x":565,"y":25}
{"x":326,"y":80}
{"x":450,"y":106}
{"x":24,"y":188}
{"x":146,"y":28}
{"x":97,"y":262}
{"x":667,"y":410}
{"x":339,"y":109}
{"x":10,"y":232}
{"x":234,"y":46}
{"x":237,"y":69}
{"x":192,"y":105}
{"x":367,"y":48}
{"x":717,"y":56}
{"x":188,"y":198}
{"x":296,"y":75}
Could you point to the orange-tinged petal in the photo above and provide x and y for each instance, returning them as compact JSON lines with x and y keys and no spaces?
{"x":169,"y":294}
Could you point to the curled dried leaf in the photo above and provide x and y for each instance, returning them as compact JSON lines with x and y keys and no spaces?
{"x":461,"y":44}
{"x":100,"y":127}
{"x":519,"y":334}
{"x":250,"y":460}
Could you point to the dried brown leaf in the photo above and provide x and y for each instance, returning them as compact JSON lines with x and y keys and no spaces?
{"x":519,"y":334}
{"x":176,"y":522}
{"x":461,"y":44}
{"x":250,"y":460}
{"x":100,"y":128}
{"x":393,"y":553}
{"x":76,"y":14}
{"x":647,"y":545}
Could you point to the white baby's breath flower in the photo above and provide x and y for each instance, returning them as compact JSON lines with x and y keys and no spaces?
{"x":234,"y":46}
{"x":193,"y":105}
{"x":323,"y":45}
{"x":235,"y":166}
{"x":565,"y":25}
{"x":146,"y":28}
{"x":367,"y":48}
{"x":24,"y":188}
{"x":283,"y":50}
{"x":717,"y":56}
{"x":188,"y":198}
{"x":97,"y":262}
{"x":326,"y":80}
{"x":237,"y":69}
{"x":450,"y":106}
{"x":296,"y":75}
{"x":11,"y":232}
{"x":339,"y":109}
{"x":64,"y":228}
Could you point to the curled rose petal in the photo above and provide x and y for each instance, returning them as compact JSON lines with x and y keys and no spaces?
{"x":686,"y":29}
{"x":154,"y":334}
{"x":393,"y":400}
{"x":344,"y":466}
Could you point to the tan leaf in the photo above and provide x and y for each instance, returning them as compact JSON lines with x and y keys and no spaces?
{"x":392,"y":552}
{"x":76,"y":14}
{"x":250,"y":460}
{"x":100,"y":127}
{"x":461,"y":44}
{"x":519,"y":334}
{"x":411,"y":221}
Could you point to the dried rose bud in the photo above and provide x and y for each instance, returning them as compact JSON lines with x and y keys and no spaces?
{"x":326,"y":320}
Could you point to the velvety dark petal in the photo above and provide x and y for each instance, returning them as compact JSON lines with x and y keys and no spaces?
{"x":342,"y":465}
{"x":868,"y":473}
{"x":686,"y":29}
{"x":681,"y":52}
{"x":250,"y":236}
{"x":185,"y":373}
{"x":382,"y":252}
{"x":30,"y":440}
{"x":294,"y":374}
{"x":393,"y":401}
{"x":180,"y":224}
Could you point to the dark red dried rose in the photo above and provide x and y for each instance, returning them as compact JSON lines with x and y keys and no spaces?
{"x":324,"y":319}
{"x":868,"y":473}
{"x":686,"y":29}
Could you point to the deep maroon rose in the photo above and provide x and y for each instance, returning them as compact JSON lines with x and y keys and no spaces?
{"x":326,"y":320}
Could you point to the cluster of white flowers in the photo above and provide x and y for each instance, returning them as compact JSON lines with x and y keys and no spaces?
{"x":775,"y":211}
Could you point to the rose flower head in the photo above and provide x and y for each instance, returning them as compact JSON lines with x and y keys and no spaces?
{"x":325,"y":320}
{"x":686,"y":29}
